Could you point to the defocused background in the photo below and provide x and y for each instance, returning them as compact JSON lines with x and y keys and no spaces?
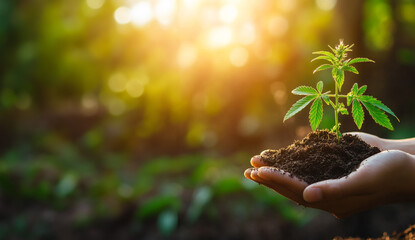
{"x":124,"y":119}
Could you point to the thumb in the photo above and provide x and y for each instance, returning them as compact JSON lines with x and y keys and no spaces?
{"x":327,"y":190}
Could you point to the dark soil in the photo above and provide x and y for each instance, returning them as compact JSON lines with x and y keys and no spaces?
{"x":319,"y":156}
{"x":408,"y":234}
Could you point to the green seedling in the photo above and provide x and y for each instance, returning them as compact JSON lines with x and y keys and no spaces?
{"x":339,"y":64}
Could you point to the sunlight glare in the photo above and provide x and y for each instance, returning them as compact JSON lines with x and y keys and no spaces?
{"x":190,"y":4}
{"x":247,"y":35}
{"x":164,"y":11}
{"x":278,"y":26}
{"x":95,"y":4}
{"x":239,"y":57}
{"x":287,"y":5}
{"x":122,"y":15}
{"x":220,"y":37}
{"x":228,"y":13}
{"x":326,"y":5}
{"x":187,"y":55}
{"x":141,"y":13}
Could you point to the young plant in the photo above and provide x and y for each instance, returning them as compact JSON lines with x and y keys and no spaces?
{"x":338,"y":64}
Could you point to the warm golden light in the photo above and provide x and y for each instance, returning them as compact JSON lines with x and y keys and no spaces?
{"x":187,"y":55}
{"x":239,"y":56}
{"x":95,"y":4}
{"x":164,"y":11}
{"x":117,"y":82}
{"x":134,"y":88}
{"x":326,"y":5}
{"x":220,"y":37}
{"x":141,"y":13}
{"x":278,"y":26}
{"x":247,"y":33}
{"x":122,"y":15}
{"x":228,"y":13}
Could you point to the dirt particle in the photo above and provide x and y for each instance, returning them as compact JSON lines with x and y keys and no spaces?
{"x":319,"y":156}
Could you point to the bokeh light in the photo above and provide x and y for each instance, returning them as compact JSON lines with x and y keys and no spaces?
{"x":239,"y":57}
{"x":228,"y":13}
{"x":141,"y":13}
{"x":95,"y":4}
{"x":326,"y":4}
{"x":122,"y":15}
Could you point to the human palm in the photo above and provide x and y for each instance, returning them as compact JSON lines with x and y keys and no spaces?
{"x":386,"y":177}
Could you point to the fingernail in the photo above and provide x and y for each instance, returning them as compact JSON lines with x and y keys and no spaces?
{"x":313,"y":195}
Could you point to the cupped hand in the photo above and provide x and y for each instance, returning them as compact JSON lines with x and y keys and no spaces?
{"x":386,"y":177}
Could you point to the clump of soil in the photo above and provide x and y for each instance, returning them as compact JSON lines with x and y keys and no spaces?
{"x":408,"y":234}
{"x":319,"y":156}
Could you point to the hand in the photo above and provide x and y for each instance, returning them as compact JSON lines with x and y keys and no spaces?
{"x":386,"y":177}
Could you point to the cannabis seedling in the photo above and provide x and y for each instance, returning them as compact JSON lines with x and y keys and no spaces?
{"x":339,"y":65}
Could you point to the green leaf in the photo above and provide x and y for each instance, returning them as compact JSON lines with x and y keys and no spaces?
{"x":358,"y":60}
{"x":340,"y":78}
{"x":344,"y":111}
{"x":323,"y":58}
{"x":357,"y":113}
{"x":326,"y":99}
{"x":320,"y":86}
{"x":378,"y":104}
{"x":299,"y":105}
{"x":378,"y":115}
{"x":304,"y":90}
{"x":362,"y":90}
{"x":329,"y":54}
{"x":350,"y":69}
{"x":316,"y":113}
{"x":349,"y":98}
{"x":322,"y":67}
{"x":355,"y":88}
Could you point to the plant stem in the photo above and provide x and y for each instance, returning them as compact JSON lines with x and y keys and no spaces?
{"x":338,"y":95}
{"x":336,"y":117}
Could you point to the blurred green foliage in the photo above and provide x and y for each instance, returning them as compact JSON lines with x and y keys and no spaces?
{"x":142,"y":123}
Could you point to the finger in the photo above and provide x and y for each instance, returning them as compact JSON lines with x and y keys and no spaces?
{"x":282,"y":179}
{"x":347,"y":206}
{"x":256,"y":161}
{"x":286,"y":192}
{"x":361,"y":182}
{"x":247,"y":173}
{"x":333,"y":189}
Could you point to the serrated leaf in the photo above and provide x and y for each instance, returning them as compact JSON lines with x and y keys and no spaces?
{"x":340,"y":78}
{"x":320,"y":86}
{"x":344,"y":111}
{"x":349,"y":98}
{"x":323,"y":58}
{"x":358,"y":60}
{"x":357,"y":113}
{"x":350,"y":69}
{"x":355,"y":88}
{"x":316,"y":113}
{"x":378,"y":115}
{"x":322,"y":67}
{"x":329,"y":54}
{"x":304,"y":90}
{"x":326,"y":99}
{"x":361,"y":90}
{"x":299,"y":105}
{"x":378,"y":104}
